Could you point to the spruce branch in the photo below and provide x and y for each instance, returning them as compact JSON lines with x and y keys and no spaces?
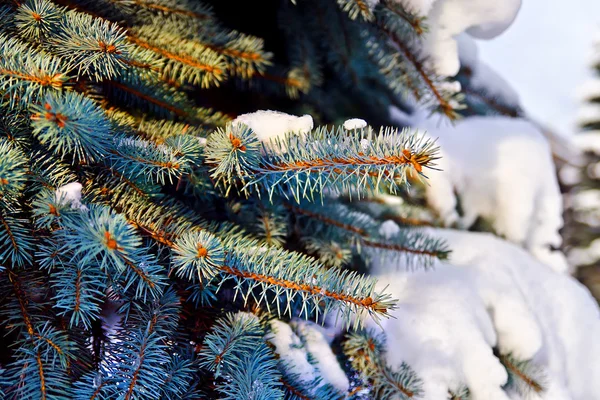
{"x":16,"y":239}
{"x":303,"y":167}
{"x":93,"y":46}
{"x":524,"y":377}
{"x":101,"y":237}
{"x":198,"y":253}
{"x":36,"y":20}
{"x":366,"y":352}
{"x":26,"y":75}
{"x":72,"y":125}
{"x":136,"y":158}
{"x":235,"y":351}
{"x":184,"y":61}
{"x":80,"y":293}
{"x":354,"y":8}
{"x":13,"y":173}
{"x":276,"y":277}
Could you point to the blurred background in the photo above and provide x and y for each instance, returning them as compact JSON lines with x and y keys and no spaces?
{"x":546,"y":57}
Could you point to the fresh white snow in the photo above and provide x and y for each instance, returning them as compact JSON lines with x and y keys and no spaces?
{"x":491,"y":293}
{"x":354,"y":123}
{"x":70,"y":194}
{"x":318,"y":346}
{"x":269,"y":124}
{"x":501,"y":169}
{"x":294,"y":342}
{"x":447,"y":19}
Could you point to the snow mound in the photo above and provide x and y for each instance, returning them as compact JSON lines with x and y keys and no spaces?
{"x":269,"y":124}
{"x":70,"y":194}
{"x":491,"y":294}
{"x":500,"y":169}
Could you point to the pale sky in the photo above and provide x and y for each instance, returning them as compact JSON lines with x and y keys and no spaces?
{"x":545,"y":56}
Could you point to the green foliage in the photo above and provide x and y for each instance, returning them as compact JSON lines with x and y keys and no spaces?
{"x":186,"y":216}
{"x":524,"y":376}
{"x":366,"y":350}
{"x":235,"y":347}
{"x":63,"y":121}
{"x":305,"y":166}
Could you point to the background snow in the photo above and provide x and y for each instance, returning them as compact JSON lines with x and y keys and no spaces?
{"x":491,"y":293}
{"x":501,"y":169}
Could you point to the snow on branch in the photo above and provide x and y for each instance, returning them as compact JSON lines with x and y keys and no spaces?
{"x":499,"y":169}
{"x":493,"y":319}
{"x":303,"y":167}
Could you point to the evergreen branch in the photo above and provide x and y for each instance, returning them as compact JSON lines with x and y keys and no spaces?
{"x":365,"y":351}
{"x":138,"y":369}
{"x":491,"y":102}
{"x":136,"y":158}
{"x":94,"y":46}
{"x":21,"y":296}
{"x":36,"y":19}
{"x":198,"y":253}
{"x":524,"y":376}
{"x":330,"y":252}
{"x":71,"y":124}
{"x":191,"y":9}
{"x":401,"y":17}
{"x":354,"y":8}
{"x":363,"y":231}
{"x":431,"y":251}
{"x":288,"y":275}
{"x":30,"y":377}
{"x":106,"y":239}
{"x":461,"y":394}
{"x":298,"y":388}
{"x":235,"y":349}
{"x":149,"y":93}
{"x":79,"y":294}
{"x":145,"y":97}
{"x":284,"y":273}
{"x":302,"y":52}
{"x":317,"y":161}
{"x":245,"y":54}
{"x":294,"y":392}
{"x":293,"y":83}
{"x":90,"y":387}
{"x":13,"y":173}
{"x":34,"y":373}
{"x":179,"y":378}
{"x":184,"y":61}
{"x":16,"y":240}
{"x":323,"y":217}
{"x":427,"y":78}
{"x":26,"y":75}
